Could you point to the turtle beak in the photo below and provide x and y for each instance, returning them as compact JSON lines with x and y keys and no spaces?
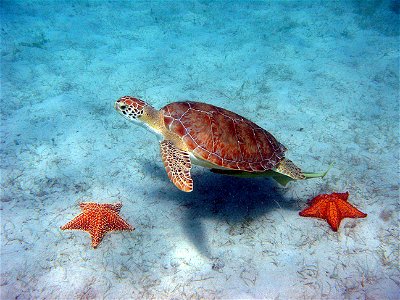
{"x":117,"y":106}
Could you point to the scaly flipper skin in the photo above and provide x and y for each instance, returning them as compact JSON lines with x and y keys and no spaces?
{"x":288,"y":168}
{"x":177,"y":164}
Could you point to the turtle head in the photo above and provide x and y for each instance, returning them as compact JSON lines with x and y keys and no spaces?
{"x":130,"y":107}
{"x":141,"y":113}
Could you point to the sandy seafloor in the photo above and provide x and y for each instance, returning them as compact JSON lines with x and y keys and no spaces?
{"x":322,"y":77}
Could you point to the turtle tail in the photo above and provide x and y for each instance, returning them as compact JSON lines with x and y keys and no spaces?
{"x":288,"y":168}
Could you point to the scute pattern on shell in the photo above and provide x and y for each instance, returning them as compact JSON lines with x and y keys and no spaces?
{"x":223,"y":137}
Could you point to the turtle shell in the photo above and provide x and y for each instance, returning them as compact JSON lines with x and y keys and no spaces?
{"x":222,"y":137}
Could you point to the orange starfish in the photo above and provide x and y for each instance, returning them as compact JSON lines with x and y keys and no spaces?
{"x":98,"y":219}
{"x":332,"y":207}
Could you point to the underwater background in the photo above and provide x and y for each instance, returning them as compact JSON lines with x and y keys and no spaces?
{"x":321,"y":76}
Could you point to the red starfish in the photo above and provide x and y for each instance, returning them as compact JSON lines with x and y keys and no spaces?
{"x":98,"y":219}
{"x":332,"y":207}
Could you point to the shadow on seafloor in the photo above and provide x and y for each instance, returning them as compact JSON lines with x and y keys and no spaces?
{"x":229,"y":199}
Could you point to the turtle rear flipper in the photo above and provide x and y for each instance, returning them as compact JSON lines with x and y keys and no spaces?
{"x":282,"y":179}
{"x":285,"y":178}
{"x":177,"y":164}
{"x":288,"y":168}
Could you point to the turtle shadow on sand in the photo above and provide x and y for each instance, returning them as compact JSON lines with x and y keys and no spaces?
{"x":224,"y":198}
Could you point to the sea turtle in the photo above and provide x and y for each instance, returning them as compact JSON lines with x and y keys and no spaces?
{"x":212,"y":137}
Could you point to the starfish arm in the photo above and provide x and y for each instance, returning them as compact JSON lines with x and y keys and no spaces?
{"x":97,"y":234}
{"x":99,"y":228}
{"x":115,"y":222}
{"x":114,"y":207}
{"x":333,"y":216}
{"x":317,"y":209}
{"x":88,"y":205}
{"x":349,"y":211}
{"x":96,"y":241}
{"x":80,"y":222}
{"x":343,"y":196}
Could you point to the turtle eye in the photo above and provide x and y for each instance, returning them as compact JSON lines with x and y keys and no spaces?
{"x":122,"y":107}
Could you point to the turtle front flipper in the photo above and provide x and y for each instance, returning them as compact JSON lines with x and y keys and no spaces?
{"x":177,"y":164}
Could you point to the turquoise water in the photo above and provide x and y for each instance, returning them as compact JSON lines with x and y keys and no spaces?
{"x":322,"y":77}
